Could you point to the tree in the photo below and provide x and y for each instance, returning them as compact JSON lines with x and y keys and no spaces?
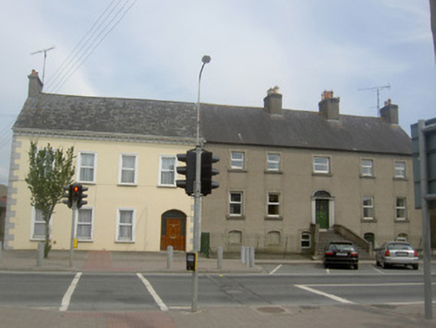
{"x":49,"y":171}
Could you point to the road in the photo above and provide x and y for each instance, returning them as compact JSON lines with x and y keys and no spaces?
{"x":299,"y":285}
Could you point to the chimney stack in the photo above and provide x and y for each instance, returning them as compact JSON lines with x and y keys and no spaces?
{"x":389,"y":113}
{"x":273,"y":101}
{"x":329,"y":106}
{"x":35,"y":84}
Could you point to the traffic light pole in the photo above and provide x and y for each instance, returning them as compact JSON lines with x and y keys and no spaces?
{"x":197,"y":225}
{"x":73,"y":226}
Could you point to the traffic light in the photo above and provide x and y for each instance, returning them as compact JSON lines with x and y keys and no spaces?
{"x":82,"y":195}
{"x":189,"y":171}
{"x":207,"y":172}
{"x":67,"y":195}
{"x":75,"y":192}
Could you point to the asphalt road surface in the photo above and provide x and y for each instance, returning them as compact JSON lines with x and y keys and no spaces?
{"x":297,"y":285}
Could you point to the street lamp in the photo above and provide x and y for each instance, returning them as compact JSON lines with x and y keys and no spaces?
{"x":197,"y":192}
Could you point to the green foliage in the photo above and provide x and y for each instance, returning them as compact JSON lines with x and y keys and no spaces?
{"x":49,"y":171}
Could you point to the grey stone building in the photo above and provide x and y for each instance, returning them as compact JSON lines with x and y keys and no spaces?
{"x":287,"y":177}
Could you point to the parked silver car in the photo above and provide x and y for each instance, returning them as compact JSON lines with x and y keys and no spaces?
{"x":396,"y":252}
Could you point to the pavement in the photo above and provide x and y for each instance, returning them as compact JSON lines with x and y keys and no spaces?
{"x":341,"y":315}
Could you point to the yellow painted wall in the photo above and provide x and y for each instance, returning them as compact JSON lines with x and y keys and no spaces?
{"x":106,"y":196}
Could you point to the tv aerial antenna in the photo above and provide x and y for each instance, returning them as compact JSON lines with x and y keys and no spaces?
{"x":45,"y":58}
{"x":378,"y":89}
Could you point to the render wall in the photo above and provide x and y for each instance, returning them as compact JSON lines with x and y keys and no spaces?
{"x":105,"y":196}
{"x":297,"y":183}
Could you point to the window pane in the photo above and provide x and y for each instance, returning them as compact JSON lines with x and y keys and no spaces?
{"x":128,"y":176}
{"x":400,"y":169}
{"x":126,"y":217}
{"x":273,"y":162}
{"x":237,"y":160}
{"x":129,"y":162}
{"x":167,"y":172}
{"x":321,"y":164}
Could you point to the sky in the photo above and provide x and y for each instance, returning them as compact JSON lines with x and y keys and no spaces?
{"x":152,"y":49}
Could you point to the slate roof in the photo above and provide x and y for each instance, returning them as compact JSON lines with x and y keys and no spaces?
{"x":302,"y":129}
{"x":99,"y":115}
{"x":220,"y":124}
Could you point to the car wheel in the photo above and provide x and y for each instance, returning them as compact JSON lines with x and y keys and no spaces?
{"x":356,"y":266}
{"x":326,"y":266}
{"x":415,"y":266}
{"x":385,"y":265}
{"x":377,"y":263}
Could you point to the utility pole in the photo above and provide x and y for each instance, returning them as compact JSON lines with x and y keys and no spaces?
{"x":378,"y":89}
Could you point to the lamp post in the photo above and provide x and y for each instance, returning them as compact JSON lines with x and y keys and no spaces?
{"x":197,"y":192}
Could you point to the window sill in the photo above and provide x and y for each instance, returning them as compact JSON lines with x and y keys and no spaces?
{"x":367,"y":176}
{"x":400,"y":179}
{"x":402,"y":221}
{"x":273,"y":172}
{"x":167,"y":186}
{"x":274,"y":218}
{"x":127,"y":185}
{"x":235,"y":217}
{"x":85,"y":240}
{"x":236,"y":170}
{"x":124,"y":241}
{"x":38,"y":239}
{"x":368,"y":220}
{"x":320,"y":174}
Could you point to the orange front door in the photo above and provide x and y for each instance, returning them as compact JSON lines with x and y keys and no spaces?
{"x":173,"y":234}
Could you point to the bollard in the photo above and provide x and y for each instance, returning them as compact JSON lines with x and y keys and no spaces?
{"x":243,"y":254}
{"x":40,"y":255}
{"x":251,"y":257}
{"x":169,"y":257}
{"x":247,"y":255}
{"x":219,"y":257}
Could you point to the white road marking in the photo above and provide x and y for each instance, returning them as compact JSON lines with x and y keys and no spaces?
{"x":333,"y":297}
{"x":378,"y":270}
{"x":327,"y":271}
{"x":153,"y":293}
{"x":67,"y":297}
{"x":276,"y":269}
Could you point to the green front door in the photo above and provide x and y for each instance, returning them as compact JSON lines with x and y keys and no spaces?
{"x":322,"y":213}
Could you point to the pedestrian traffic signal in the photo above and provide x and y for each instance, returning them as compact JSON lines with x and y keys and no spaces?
{"x":82,"y":195}
{"x":190,"y":158}
{"x":67,"y":195}
{"x":207,"y":172}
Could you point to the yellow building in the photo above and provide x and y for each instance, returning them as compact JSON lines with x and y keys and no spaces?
{"x":125,"y":154}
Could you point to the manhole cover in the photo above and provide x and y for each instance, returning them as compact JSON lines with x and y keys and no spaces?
{"x":270,"y":309}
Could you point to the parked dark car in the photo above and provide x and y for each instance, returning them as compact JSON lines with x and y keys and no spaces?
{"x":341,"y":253}
{"x":396,"y":253}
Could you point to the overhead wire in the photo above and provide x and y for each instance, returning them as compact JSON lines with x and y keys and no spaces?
{"x":94,"y":40}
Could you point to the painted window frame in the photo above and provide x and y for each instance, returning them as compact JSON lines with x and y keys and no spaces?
{"x":368,"y":208}
{"x":273,"y":204}
{"x":35,"y":216}
{"x":304,"y":240}
{"x":398,"y":169}
{"x":119,"y":224}
{"x":79,"y":174}
{"x":321,"y":168}
{"x":401,"y":208}
{"x":171,"y":171}
{"x":235,"y":203}
{"x":122,"y":169}
{"x":367,"y":167}
{"x":273,"y":165}
{"x":79,"y":223}
{"x":237,"y":163}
